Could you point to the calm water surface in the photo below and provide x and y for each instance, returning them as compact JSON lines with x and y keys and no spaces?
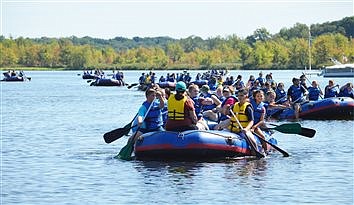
{"x":52,"y":152}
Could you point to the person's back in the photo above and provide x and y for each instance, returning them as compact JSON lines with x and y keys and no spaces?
{"x":181,"y":111}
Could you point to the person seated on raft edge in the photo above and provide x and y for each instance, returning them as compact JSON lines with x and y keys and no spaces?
{"x":296,"y":95}
{"x":229,"y":100}
{"x":314,"y":91}
{"x":153,"y":120}
{"x":244,"y":112}
{"x":259,"y":112}
{"x":209,"y":104}
{"x":330,"y":90}
{"x":346,"y":91}
{"x":273,"y":110}
{"x":181,"y":111}
{"x":199,"y":103}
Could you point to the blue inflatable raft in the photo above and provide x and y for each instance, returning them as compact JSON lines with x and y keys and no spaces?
{"x":170,"y":85}
{"x":193,"y":145}
{"x":106,"y":82}
{"x":337,"y":108}
{"x":89,"y":76}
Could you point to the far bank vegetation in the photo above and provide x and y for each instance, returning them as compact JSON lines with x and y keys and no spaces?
{"x":288,"y":49}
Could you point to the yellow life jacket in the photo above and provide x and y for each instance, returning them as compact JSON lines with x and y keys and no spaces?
{"x":240,"y":112}
{"x":176,"y":108}
{"x":147,"y":80}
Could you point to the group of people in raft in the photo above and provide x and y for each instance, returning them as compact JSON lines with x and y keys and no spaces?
{"x":214,"y":77}
{"x":100,"y":74}
{"x":236,"y":107}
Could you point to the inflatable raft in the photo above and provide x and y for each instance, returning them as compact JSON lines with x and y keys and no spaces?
{"x":170,"y":85}
{"x":15,"y":79}
{"x":106,"y":82}
{"x":89,"y":76}
{"x":200,"y":83}
{"x":337,"y":108}
{"x":193,"y":145}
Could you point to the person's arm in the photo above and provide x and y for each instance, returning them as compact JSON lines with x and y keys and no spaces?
{"x":249,"y":113}
{"x":261,"y":120}
{"x":289,"y":95}
{"x":161,"y":99}
{"x":189,"y":105}
{"x":141,"y":114}
{"x":216,"y":100}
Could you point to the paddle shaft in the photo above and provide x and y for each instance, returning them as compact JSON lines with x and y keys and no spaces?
{"x":285,"y":154}
{"x":311,"y":84}
{"x":248,"y":138}
{"x":126,"y":152}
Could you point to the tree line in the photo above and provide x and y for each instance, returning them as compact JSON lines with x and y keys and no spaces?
{"x":288,"y":49}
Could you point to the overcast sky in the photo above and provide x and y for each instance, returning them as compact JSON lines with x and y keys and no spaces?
{"x":177,"y":19}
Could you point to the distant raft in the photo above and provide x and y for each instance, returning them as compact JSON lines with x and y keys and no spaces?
{"x":193,"y":145}
{"x":89,"y":76}
{"x":167,"y":84}
{"x":200,"y":83}
{"x":107,"y":82}
{"x":15,"y":79}
{"x":336,"y":108}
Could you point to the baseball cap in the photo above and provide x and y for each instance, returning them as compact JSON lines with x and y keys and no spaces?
{"x":181,"y":86}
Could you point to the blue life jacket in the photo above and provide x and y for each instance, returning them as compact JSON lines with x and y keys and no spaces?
{"x":164,"y":113}
{"x":314,"y":93}
{"x":197,"y":106}
{"x":257,"y":110}
{"x":208,"y":107}
{"x":295,"y":93}
{"x":280,"y":94}
{"x":261,"y":80}
{"x":153,"y":119}
{"x":330,"y":92}
{"x":345,"y":93}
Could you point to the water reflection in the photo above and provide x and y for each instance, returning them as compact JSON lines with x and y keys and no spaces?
{"x":234,"y":168}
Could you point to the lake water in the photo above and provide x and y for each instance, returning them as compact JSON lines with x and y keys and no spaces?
{"x":52,"y":152}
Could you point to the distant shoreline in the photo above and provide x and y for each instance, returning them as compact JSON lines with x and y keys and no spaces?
{"x":142,"y":69}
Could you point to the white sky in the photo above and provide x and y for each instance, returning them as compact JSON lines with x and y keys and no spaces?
{"x":151,"y":18}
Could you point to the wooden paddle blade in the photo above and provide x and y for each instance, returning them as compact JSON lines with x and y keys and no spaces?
{"x":126,"y":152}
{"x":116,"y":134}
{"x":307,"y":132}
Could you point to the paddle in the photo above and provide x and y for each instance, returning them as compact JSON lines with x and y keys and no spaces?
{"x":118,"y":133}
{"x":311,"y":83}
{"x":248,"y":138}
{"x":132,"y":85}
{"x":126,"y":152}
{"x":285,"y":154}
{"x":294,"y":128}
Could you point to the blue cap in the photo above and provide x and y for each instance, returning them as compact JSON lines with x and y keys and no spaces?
{"x":181,"y":86}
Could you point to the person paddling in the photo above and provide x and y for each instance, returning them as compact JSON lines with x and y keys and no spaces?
{"x":153,"y":120}
{"x":296,"y":93}
{"x":242,"y":120}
